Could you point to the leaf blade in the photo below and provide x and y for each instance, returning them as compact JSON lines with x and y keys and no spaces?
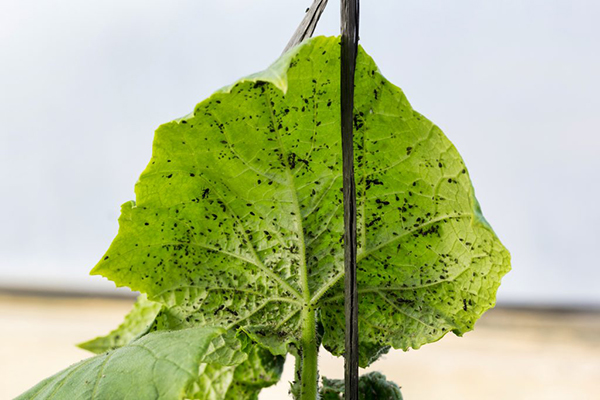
{"x":371,"y":386}
{"x":239,"y":223}
{"x":166,"y":365}
{"x":136,"y":322}
{"x":428,"y":261}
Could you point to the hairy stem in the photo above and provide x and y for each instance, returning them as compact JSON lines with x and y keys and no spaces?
{"x":310,"y":355}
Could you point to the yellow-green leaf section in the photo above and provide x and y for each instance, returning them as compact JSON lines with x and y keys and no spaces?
{"x":238,"y":216}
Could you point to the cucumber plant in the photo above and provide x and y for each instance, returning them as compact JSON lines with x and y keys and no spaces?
{"x":235,"y":241}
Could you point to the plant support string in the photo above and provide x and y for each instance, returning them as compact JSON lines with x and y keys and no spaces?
{"x":308,"y":24}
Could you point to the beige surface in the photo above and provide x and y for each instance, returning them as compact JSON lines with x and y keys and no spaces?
{"x":511,"y":355}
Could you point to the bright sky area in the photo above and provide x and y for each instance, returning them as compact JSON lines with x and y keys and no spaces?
{"x":514,"y":84}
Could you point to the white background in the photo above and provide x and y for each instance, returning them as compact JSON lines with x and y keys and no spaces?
{"x":514,"y":84}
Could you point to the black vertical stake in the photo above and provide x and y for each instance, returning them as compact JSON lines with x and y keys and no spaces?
{"x":349,"y":49}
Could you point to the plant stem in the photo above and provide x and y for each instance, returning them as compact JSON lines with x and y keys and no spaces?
{"x":310,"y":355}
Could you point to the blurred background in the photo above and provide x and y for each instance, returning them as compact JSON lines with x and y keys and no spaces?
{"x":514,"y":84}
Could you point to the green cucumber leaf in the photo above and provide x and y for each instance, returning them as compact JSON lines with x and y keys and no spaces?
{"x":238,"y":221}
{"x":136,"y":323}
{"x":262,"y":369}
{"x":195,"y":363}
{"x":371,"y":386}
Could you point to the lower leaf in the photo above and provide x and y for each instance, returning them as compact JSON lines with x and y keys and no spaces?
{"x":260,"y":370}
{"x":196,"y":363}
{"x":136,"y":323}
{"x":371,"y":386}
